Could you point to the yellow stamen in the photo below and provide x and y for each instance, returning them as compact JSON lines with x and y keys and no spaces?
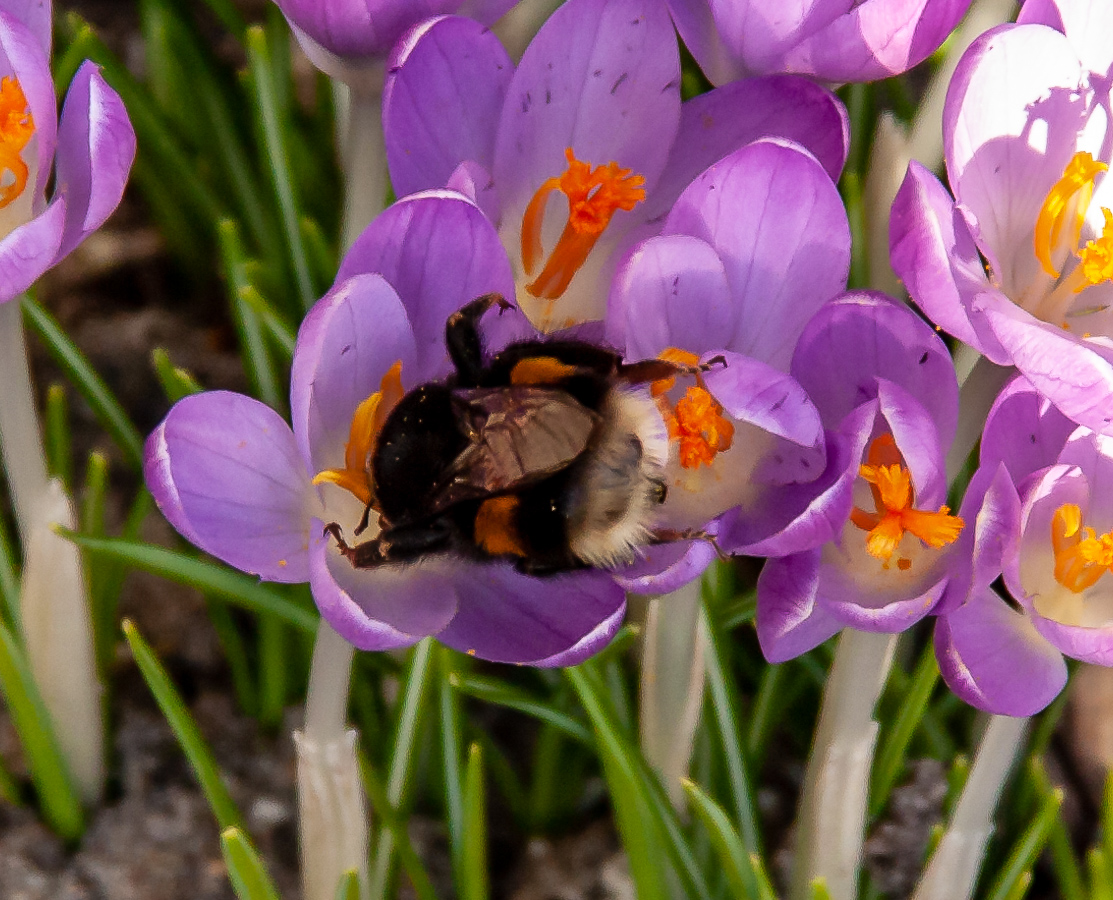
{"x":594,"y":195}
{"x":16,"y":129}
{"x":891,"y":485}
{"x":1067,"y":201}
{"x":367,"y":422}
{"x":1081,"y":555}
{"x":1095,"y":260}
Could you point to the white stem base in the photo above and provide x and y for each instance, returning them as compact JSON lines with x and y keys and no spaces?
{"x":672,"y":681}
{"x":332,"y":811}
{"x":953,"y":869}
{"x":332,"y":814}
{"x":832,"y":813}
{"x":58,"y":634}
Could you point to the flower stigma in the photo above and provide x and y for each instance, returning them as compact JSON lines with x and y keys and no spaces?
{"x":696,"y":421}
{"x":1081,"y":555}
{"x":891,"y":485}
{"x":367,"y":422}
{"x":594,"y":195}
{"x":16,"y":130}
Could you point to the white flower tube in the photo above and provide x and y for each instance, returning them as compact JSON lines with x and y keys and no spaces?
{"x":332,"y":812}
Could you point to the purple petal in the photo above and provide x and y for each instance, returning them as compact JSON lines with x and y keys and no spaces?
{"x":999,"y":167}
{"x":664,"y":568}
{"x":1024,"y":431}
{"x":933,"y":253}
{"x":96,"y":147}
{"x":721,"y":121}
{"x":863,"y":336}
{"x":445,"y":87}
{"x":360,"y":28}
{"x":601,"y":77}
{"x":438,"y":251}
{"x":671,"y":292}
{"x":751,"y":391}
{"x":475,"y":182}
{"x":798,"y":517}
{"x":789,"y":620}
{"x":1086,"y":25}
{"x":701,"y":35}
{"x":346,"y":344}
{"x":22,"y":54}
{"x":875,"y":39}
{"x":1076,"y":375}
{"x":917,"y":438}
{"x":1093,"y":454}
{"x":777,"y":222}
{"x":505,"y":616}
{"x":992,"y":657}
{"x":380,"y":608}
{"x":226,"y":472}
{"x":890,"y":607}
{"x":35,"y":16}
{"x":30,"y":250}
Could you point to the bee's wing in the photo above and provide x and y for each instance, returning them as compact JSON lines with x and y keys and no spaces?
{"x":519,"y":435}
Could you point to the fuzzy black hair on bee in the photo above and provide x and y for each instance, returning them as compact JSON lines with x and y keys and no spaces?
{"x":551,"y":454}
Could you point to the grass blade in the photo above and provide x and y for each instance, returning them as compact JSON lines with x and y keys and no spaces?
{"x":492,"y":690}
{"x":475,"y":885}
{"x":1027,"y":849}
{"x":57,"y":795}
{"x":185,"y":729}
{"x":85,"y":378}
{"x":245,"y":869}
{"x":209,"y":577}
{"x":729,"y":849}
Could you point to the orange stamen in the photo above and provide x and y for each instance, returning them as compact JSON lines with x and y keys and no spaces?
{"x":1081,"y":555}
{"x":594,"y":195}
{"x":698,"y":424}
{"x":16,"y":129}
{"x":367,"y":422}
{"x":891,"y":484}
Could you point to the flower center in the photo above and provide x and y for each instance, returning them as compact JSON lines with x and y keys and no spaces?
{"x":891,"y":485}
{"x":697,"y":420}
{"x":16,"y":129}
{"x":367,"y":422}
{"x":594,"y":195}
{"x":1081,"y":555}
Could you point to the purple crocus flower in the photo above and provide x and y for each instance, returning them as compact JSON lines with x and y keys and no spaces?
{"x":89,"y":151}
{"x":885,"y":387}
{"x":582,"y":149}
{"x":844,"y":40}
{"x":1016,"y":264}
{"x":751,"y":249}
{"x":345,"y":36}
{"x":1044,"y":517}
{"x":236,"y":480}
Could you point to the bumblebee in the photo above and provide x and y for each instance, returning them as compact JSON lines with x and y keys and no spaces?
{"x":550,"y":454}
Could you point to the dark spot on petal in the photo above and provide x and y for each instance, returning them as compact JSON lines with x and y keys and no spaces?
{"x":347,"y":347}
{"x":596,"y":73}
{"x":1032,"y":438}
{"x":549,"y":99}
{"x":779,"y":403}
{"x":617,"y":84}
{"x":924,"y":358}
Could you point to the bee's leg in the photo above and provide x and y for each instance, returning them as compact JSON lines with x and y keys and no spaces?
{"x":364,"y":520}
{"x":461,"y":337}
{"x":362,"y":556}
{"x":668,"y":536}
{"x":648,"y":370}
